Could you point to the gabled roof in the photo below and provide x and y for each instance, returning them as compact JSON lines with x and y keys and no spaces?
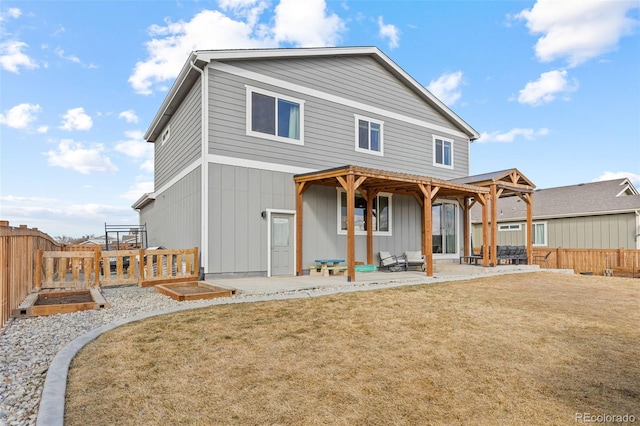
{"x":200,"y":58}
{"x":584,"y":199}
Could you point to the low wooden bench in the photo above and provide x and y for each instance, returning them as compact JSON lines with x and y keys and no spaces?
{"x":335,"y":270}
{"x":470,"y":259}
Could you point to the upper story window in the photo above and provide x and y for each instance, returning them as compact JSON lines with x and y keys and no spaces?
{"x":369,"y":137}
{"x":381,"y":214}
{"x":274,"y":116}
{"x":442,"y":152}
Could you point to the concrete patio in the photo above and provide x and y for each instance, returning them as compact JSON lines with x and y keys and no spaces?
{"x":449,"y":271}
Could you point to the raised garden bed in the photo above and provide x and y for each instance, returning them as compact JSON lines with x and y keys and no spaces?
{"x":193,"y":290}
{"x":50,"y":302}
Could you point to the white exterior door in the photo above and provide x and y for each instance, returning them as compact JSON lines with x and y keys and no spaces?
{"x":282,"y":244}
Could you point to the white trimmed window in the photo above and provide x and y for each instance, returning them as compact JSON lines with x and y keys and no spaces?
{"x":539,"y":234}
{"x":273,"y":116}
{"x":442,"y":152}
{"x":369,"y":137}
{"x":510,"y":227}
{"x":381,"y":214}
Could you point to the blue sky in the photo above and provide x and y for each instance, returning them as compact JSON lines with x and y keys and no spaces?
{"x":552,"y":86}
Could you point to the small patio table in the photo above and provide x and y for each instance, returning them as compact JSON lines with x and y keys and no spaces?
{"x":326,"y":263}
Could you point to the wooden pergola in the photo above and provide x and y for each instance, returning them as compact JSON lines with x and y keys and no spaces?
{"x":504,"y":183}
{"x":369,"y":183}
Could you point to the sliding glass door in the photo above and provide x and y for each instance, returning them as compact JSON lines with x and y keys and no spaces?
{"x":444,"y":228}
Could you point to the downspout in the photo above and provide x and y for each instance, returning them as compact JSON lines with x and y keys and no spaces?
{"x":204,"y":168}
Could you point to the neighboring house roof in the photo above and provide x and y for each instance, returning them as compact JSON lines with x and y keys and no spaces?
{"x":200,"y":58}
{"x":584,"y":199}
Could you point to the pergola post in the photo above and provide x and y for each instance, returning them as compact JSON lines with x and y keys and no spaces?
{"x":529,"y":202}
{"x":465,"y":226}
{"x":370,"y":196}
{"x":299,"y":190}
{"x":427,"y":234}
{"x":351,"y":233}
{"x":494,"y":226}
{"x":485,"y":232}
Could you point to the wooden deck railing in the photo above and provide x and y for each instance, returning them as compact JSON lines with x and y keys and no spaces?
{"x":85,"y":269}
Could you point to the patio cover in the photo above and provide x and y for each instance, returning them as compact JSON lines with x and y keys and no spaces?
{"x":503,"y":183}
{"x":369,"y":182}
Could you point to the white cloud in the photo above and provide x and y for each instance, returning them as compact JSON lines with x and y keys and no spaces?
{"x":73,"y":155}
{"x":633,"y":177}
{"x":139,"y":188}
{"x":76,"y":119}
{"x":129,"y":115}
{"x":511,"y":135}
{"x":578,"y":30}
{"x":295,"y":22}
{"x":58,"y":51}
{"x":61,"y":217}
{"x":306,"y":24}
{"x":389,"y":31}
{"x":550,"y":85}
{"x":12,"y":57}
{"x":447,"y":87}
{"x":20,"y":116}
{"x":12,"y":12}
{"x":135,"y":146}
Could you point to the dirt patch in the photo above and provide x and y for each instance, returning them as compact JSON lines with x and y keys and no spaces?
{"x":63,"y":300}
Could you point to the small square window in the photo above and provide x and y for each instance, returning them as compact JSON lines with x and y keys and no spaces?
{"x":369,"y":136}
{"x":442,"y":152}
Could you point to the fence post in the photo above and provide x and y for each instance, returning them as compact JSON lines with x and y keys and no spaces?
{"x":141,"y":267}
{"x":559,"y":257}
{"x":96,"y":267}
{"x":38,"y":277}
{"x":621,"y":260}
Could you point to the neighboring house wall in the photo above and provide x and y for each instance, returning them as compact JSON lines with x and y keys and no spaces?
{"x":182,"y":146}
{"x":597,"y":232}
{"x":173,"y":219}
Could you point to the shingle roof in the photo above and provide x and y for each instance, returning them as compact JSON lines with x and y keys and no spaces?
{"x":585,"y":199}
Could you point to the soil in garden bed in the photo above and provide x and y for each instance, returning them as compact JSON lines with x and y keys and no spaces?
{"x":63,"y":300}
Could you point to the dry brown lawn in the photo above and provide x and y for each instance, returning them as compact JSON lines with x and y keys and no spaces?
{"x":515,"y":349}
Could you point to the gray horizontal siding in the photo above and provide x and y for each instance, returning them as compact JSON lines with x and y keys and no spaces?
{"x":173,"y":219}
{"x":329,"y":135}
{"x":183,"y":146}
{"x":359,"y":78}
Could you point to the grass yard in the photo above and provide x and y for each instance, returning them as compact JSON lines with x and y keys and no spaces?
{"x":514,"y":349}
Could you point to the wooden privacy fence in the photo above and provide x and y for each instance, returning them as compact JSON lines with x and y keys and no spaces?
{"x":18,"y":248}
{"x":597,"y":261}
{"x":86,"y":269}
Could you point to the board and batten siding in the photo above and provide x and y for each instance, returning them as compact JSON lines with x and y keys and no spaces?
{"x":586,"y":232}
{"x":329,"y":127}
{"x":606,"y":232}
{"x":183,"y":146}
{"x":173,"y":218}
{"x":237,"y":231}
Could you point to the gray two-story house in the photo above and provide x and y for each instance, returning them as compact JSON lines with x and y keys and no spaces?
{"x":250,"y":142}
